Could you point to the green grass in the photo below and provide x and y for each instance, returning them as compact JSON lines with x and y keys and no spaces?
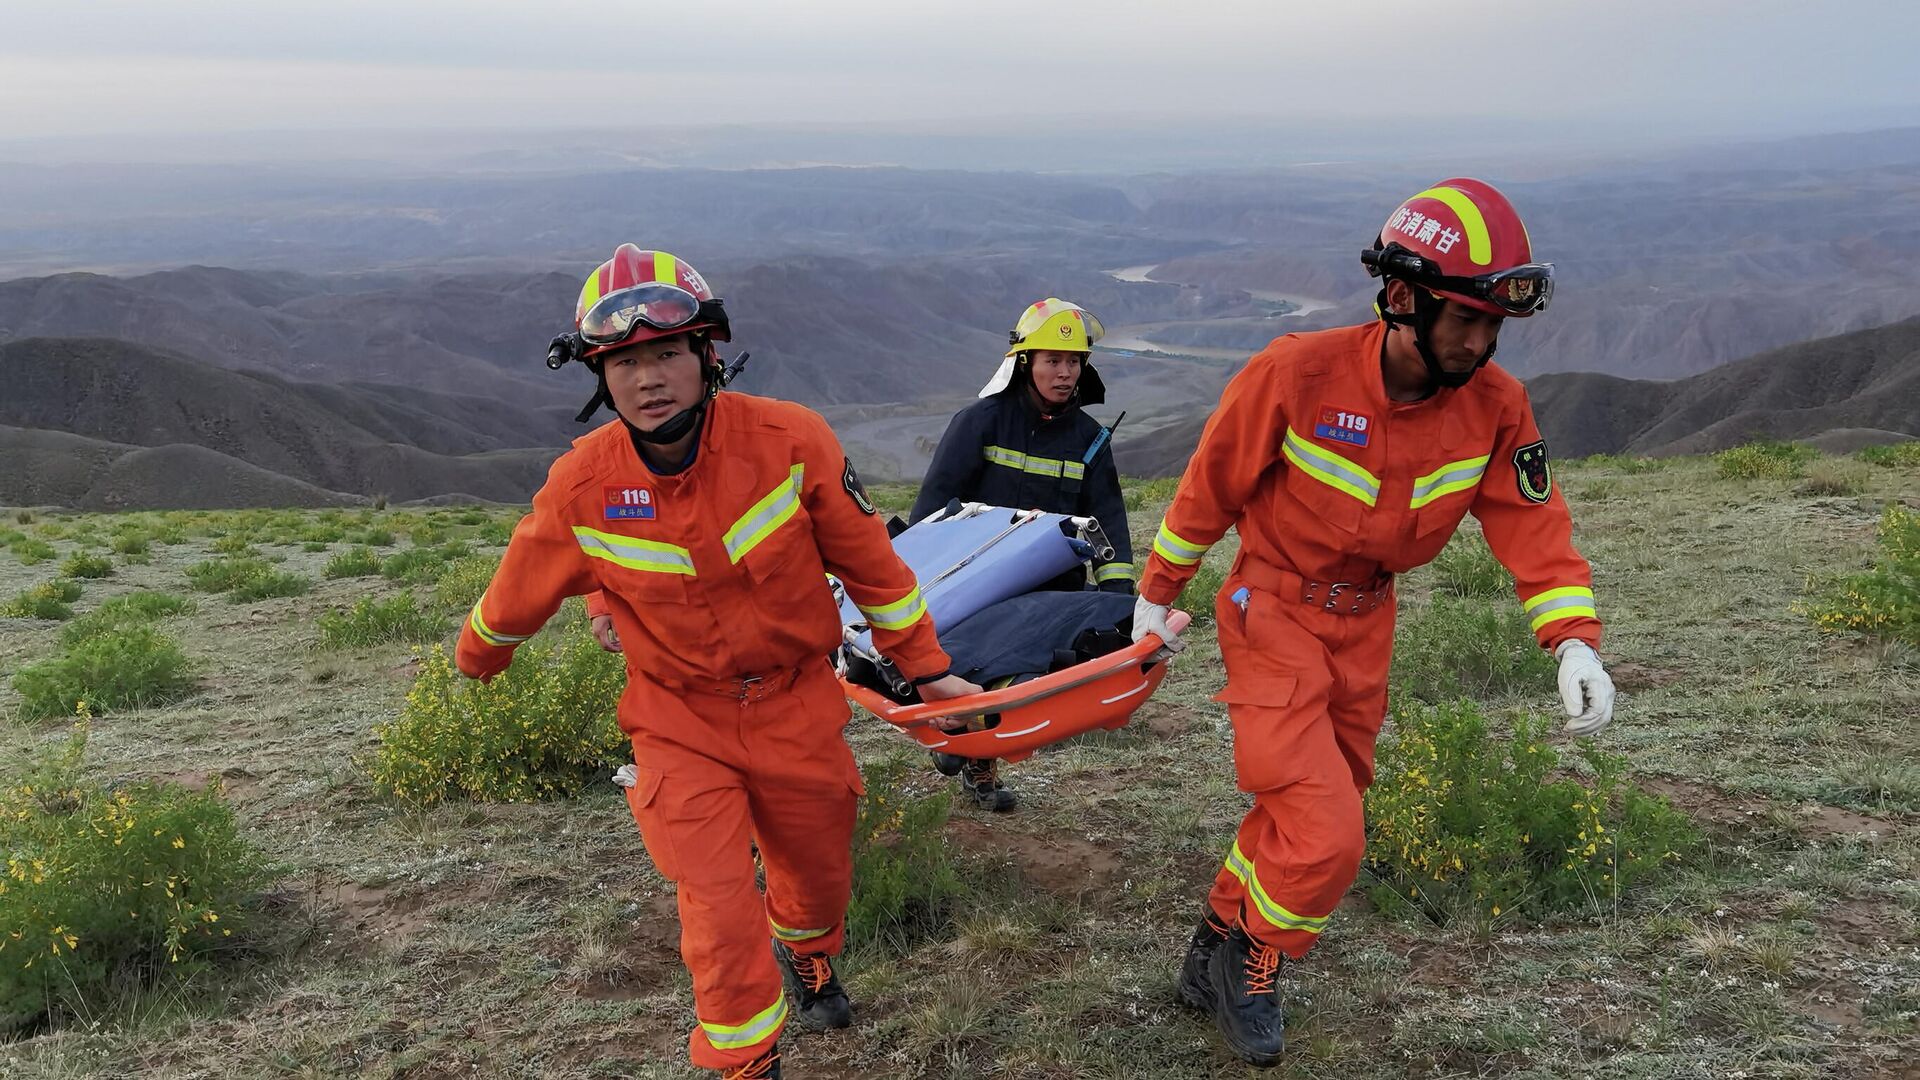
{"x":379,"y":622}
{"x":535,"y":939}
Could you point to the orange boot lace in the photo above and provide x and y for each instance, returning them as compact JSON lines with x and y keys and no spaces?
{"x":1263,"y":967}
{"x":814,"y":970}
{"x":759,"y":1068}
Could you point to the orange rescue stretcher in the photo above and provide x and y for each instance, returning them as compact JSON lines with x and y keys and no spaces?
{"x":967,"y":558}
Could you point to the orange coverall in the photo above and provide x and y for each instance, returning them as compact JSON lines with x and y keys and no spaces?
{"x":716,"y":581}
{"x":1333,"y":488}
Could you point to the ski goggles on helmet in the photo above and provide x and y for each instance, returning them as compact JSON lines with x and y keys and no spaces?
{"x":1519,"y":290}
{"x":659,"y":306}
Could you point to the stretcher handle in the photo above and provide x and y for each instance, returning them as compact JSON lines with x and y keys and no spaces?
{"x":1148,"y":649}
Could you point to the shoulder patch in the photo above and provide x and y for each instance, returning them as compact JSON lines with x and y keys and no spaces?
{"x":1532,"y":473}
{"x":856,"y":490}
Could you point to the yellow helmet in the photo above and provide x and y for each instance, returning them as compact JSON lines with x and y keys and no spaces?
{"x":1054,"y":323}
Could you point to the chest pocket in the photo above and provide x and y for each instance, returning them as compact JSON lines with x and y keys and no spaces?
{"x":1339,"y":490}
{"x":646,"y":571}
{"x":772,"y":534}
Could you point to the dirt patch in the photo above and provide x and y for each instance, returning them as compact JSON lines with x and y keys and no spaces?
{"x":1165,"y":721}
{"x":235,"y":783}
{"x":374,"y":912}
{"x":1815,"y":821}
{"x":1863,"y":922}
{"x":1631,"y":676}
{"x":1057,"y":862}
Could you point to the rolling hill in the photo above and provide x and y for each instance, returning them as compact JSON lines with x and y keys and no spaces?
{"x":1851,"y":388}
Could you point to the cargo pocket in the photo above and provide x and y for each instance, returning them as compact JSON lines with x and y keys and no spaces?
{"x":1268,"y":731}
{"x":643,"y":798}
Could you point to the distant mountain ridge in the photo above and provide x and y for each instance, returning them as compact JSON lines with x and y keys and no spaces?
{"x":1863,"y":385}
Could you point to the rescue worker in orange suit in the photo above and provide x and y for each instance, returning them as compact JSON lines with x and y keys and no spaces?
{"x":709,"y":520}
{"x":1341,"y":458}
{"x":1027,"y":444}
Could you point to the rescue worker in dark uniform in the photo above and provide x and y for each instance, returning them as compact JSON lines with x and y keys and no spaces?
{"x":1029,"y":444}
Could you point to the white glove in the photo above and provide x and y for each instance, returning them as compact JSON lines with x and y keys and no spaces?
{"x":627,"y":776}
{"x":1585,"y":688}
{"x":1151,"y":618}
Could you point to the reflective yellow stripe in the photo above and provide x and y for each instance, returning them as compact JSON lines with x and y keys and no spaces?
{"x":1569,"y":602}
{"x":785,"y":934}
{"x":1038,"y":466}
{"x":633,"y":552}
{"x":1449,"y":478}
{"x":764,"y":1025}
{"x":665,"y":268}
{"x":590,"y":292}
{"x":898,"y":615}
{"x":1479,"y":244}
{"x":487,"y":633}
{"x":1242,"y":867}
{"x":1169,"y":546}
{"x":774,"y":510}
{"x":1113,"y":571}
{"x":1331,"y":469}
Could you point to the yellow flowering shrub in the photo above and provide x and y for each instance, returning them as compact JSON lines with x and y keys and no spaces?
{"x":1465,"y":825}
{"x":903,"y":877}
{"x":104,"y":886}
{"x":1884,"y":601}
{"x":542,"y":729}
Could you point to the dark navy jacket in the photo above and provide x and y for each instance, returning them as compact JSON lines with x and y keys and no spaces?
{"x":999,"y":450}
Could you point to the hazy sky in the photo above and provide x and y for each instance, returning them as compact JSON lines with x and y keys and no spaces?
{"x":74,"y":67}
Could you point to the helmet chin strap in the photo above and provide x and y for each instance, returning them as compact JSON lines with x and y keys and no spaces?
{"x":1426,"y":309}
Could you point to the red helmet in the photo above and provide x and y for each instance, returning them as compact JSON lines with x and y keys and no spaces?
{"x":1462,"y":240}
{"x":643,"y":295}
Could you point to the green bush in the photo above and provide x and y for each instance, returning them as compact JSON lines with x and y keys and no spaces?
{"x":31,"y":551}
{"x":377,"y":622}
{"x":544,"y":728}
{"x":222,"y":575}
{"x":45,"y":601}
{"x":1466,"y":826}
{"x":127,"y":667}
{"x":463,"y":580}
{"x":240,"y":543}
{"x":323,"y":533}
{"x":904,"y":879}
{"x":371,"y":537}
{"x":353,"y":562}
{"x":87,"y":566}
{"x":1765,"y":461}
{"x":1885,"y":601}
{"x":1140,"y":494}
{"x":131,"y":544}
{"x":1453,"y":648}
{"x":1835,"y":476}
{"x":269,"y":585}
{"x":1467,"y":568}
{"x":421,"y":565}
{"x":112,"y":886}
{"x":1902,"y":455}
{"x":24,"y":517}
{"x":132,"y":609}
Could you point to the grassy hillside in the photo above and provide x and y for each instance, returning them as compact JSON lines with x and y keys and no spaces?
{"x":536,"y":940}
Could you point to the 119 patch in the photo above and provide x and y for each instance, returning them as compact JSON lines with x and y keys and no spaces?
{"x":1532,"y":473}
{"x":628,"y":503}
{"x":1342,"y":426}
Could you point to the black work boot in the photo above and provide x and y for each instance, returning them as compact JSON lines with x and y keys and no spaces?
{"x":948,"y":764}
{"x":764,"y":1067}
{"x":816,"y":990}
{"x":981,"y":779}
{"x":1246,"y":999}
{"x":1196,"y":973}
